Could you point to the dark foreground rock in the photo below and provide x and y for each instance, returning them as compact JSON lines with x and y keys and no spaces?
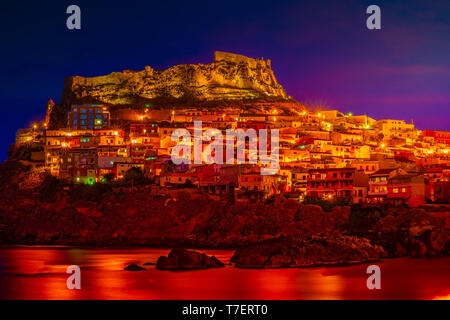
{"x":182,"y":259}
{"x":134,"y":267}
{"x":316,"y":251}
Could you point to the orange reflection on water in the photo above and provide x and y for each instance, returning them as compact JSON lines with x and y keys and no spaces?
{"x":40,"y":273}
{"x":447,"y":297}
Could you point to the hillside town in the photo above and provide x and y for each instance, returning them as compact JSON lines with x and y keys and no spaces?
{"x":324,"y":155}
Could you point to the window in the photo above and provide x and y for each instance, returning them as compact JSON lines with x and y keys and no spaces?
{"x":395,"y":190}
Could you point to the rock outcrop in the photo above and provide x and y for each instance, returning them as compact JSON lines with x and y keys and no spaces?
{"x":316,"y":251}
{"x":230,"y":76}
{"x":182,"y":259}
{"x":417,"y":232}
{"x":134,"y":267}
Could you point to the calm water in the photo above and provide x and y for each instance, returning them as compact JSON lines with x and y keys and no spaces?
{"x":39,"y":273}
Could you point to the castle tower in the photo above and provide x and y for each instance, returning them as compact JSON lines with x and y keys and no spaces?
{"x":49,"y":109}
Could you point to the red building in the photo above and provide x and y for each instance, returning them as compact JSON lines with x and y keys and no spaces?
{"x":406,"y":189}
{"x":207,"y":174}
{"x":438,"y":187}
{"x":396,"y":187}
{"x":142,"y":128}
{"x":378,"y":185}
{"x":439,"y":136}
{"x":330,"y":184}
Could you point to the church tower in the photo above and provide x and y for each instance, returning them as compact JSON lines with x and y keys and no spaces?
{"x":49,"y":110}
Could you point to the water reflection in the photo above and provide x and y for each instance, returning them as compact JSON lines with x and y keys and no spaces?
{"x":40,"y":273}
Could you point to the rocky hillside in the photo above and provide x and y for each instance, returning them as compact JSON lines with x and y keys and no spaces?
{"x":230,"y":78}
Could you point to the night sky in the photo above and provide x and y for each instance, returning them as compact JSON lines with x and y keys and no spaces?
{"x":321,"y":51}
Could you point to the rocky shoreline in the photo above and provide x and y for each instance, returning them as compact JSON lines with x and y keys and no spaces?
{"x":316,"y":251}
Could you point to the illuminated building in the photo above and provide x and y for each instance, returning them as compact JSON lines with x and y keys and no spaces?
{"x":88,"y":117}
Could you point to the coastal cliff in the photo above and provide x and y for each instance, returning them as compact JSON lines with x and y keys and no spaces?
{"x":230,"y":76}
